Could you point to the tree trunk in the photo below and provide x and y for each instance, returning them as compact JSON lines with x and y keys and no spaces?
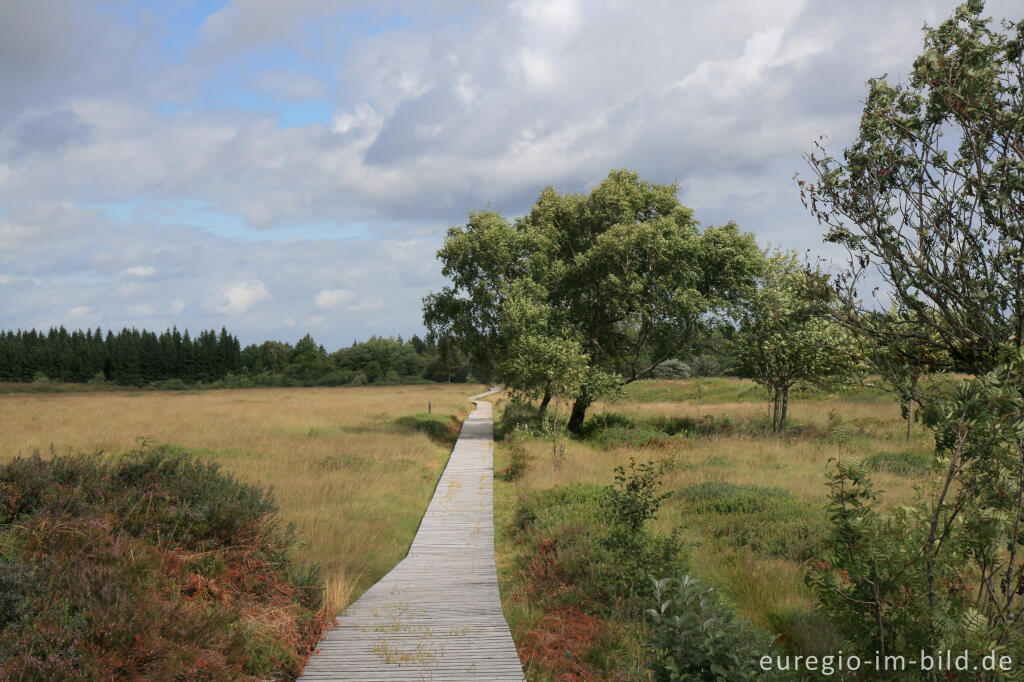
{"x":579,"y":411}
{"x":785,"y":408}
{"x":775,"y":404}
{"x":542,"y":410}
{"x":910,"y":416}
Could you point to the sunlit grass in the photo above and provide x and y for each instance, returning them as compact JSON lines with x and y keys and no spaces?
{"x":353,"y":480}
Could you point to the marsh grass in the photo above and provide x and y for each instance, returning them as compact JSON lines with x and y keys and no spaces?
{"x":352,"y":468}
{"x":770,"y":491}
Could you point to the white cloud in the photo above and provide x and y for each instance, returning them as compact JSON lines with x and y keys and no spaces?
{"x":139,"y":271}
{"x":107,"y":165}
{"x":538,"y":69}
{"x":562,"y":16}
{"x":331,"y":298}
{"x":141,"y":310}
{"x":315,"y":321}
{"x":242,"y":296}
{"x":367,"y":304}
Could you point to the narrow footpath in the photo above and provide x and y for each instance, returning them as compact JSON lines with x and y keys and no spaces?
{"x":437,"y":614}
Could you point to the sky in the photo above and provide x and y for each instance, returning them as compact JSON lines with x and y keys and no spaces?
{"x":279,"y":168}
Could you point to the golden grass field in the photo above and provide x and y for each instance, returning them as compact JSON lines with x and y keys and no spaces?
{"x":353,"y":468}
{"x":353,"y":480}
{"x":765,"y":591}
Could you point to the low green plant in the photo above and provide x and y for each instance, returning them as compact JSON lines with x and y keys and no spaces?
{"x":768,"y":521}
{"x":519,"y":456}
{"x":634,"y":497}
{"x":902,"y":463}
{"x":518,"y":415}
{"x":693,"y":636}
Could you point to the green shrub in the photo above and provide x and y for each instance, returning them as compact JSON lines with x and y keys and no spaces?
{"x":546,"y":508}
{"x":519,"y":457}
{"x":705,"y":365}
{"x":768,"y":521}
{"x":588,"y":543}
{"x":632,"y":437}
{"x":634,"y":497}
{"x":905,"y":463}
{"x":672,"y":369}
{"x":518,"y":416}
{"x":692,"y":635}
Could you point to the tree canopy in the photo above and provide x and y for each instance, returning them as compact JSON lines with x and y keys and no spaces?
{"x":623,"y":274}
{"x":930,"y":196}
{"x":783,"y":338}
{"x":929,"y":199}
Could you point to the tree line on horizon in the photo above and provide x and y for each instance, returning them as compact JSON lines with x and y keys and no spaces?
{"x":176,"y":359}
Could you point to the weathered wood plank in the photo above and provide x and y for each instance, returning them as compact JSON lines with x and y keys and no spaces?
{"x":437,"y":614}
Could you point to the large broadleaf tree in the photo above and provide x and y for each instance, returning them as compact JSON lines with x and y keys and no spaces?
{"x":624,"y":275}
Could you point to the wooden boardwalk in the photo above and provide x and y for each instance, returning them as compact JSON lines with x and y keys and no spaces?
{"x":437,"y":614}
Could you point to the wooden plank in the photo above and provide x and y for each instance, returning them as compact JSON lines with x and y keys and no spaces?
{"x":437,"y":615}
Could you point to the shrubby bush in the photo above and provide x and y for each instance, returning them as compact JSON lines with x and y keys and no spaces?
{"x":672,"y":369}
{"x":693,"y":636}
{"x":705,"y":365}
{"x":590,"y":543}
{"x":768,"y":521}
{"x":153,"y":566}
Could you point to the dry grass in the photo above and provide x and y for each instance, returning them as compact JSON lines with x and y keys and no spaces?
{"x":353,"y":481}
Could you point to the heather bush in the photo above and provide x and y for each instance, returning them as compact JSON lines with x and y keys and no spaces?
{"x":154,"y":565}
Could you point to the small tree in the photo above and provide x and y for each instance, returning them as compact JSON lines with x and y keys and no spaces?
{"x":785,"y":340}
{"x":894,"y":352}
{"x":930,"y":197}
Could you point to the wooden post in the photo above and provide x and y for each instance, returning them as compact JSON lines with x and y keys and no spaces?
{"x":428,"y":407}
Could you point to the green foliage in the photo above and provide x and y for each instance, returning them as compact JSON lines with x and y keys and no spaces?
{"x":673,"y":369}
{"x":722,"y":497}
{"x":633,"y":436}
{"x":905,"y":463}
{"x":693,"y":636}
{"x":768,"y":521}
{"x":704,"y":365}
{"x":586,"y":292}
{"x":518,"y":415}
{"x":943,"y":572}
{"x":928,"y":197}
{"x":784,"y":340}
{"x":174,"y":361}
{"x":612,"y":430}
{"x":634,"y":497}
{"x":443,"y":429}
{"x":519,"y":456}
{"x":594,"y":541}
